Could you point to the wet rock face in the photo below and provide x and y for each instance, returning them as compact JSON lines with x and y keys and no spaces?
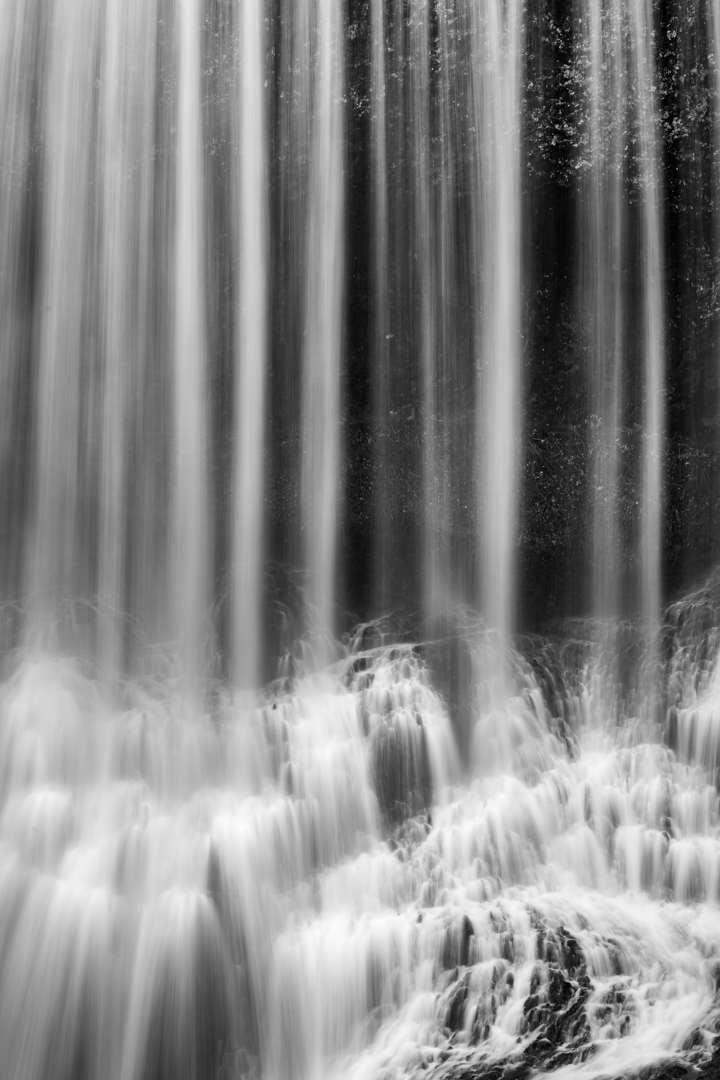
{"x":557,"y":1017}
{"x":555,"y":1010}
{"x":565,"y":1013}
{"x":553,"y":1029}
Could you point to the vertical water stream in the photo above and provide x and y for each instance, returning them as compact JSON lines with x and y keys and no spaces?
{"x":190,"y":579}
{"x":252,"y":355}
{"x":499,"y":387}
{"x":323,"y":337}
{"x":125,"y":152}
{"x":601,"y":251}
{"x":653,"y":418}
{"x":66,"y":381}
{"x":382,"y":545}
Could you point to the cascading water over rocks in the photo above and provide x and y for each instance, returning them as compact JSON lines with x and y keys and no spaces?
{"x":359,"y":432}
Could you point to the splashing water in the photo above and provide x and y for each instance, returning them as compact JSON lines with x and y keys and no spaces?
{"x":306,"y":886}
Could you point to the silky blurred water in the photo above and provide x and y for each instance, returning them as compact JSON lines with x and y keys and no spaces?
{"x":264,"y":377}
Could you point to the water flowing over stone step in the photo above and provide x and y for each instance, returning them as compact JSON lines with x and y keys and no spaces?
{"x":309,"y":887}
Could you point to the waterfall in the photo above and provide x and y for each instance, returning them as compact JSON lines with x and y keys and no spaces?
{"x":237,"y":174}
{"x":359,"y":592}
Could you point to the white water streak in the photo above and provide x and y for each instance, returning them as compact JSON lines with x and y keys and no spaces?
{"x":54,"y":570}
{"x":602,"y":257}
{"x":499,"y":386}
{"x":190,"y":584}
{"x":251,"y":362}
{"x":425,"y":246}
{"x":381,"y":320}
{"x":125,"y":157}
{"x":323,"y":319}
{"x":18,"y":54}
{"x":653,"y":318}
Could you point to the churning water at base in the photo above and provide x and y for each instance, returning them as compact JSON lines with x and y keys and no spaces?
{"x":310,"y":885}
